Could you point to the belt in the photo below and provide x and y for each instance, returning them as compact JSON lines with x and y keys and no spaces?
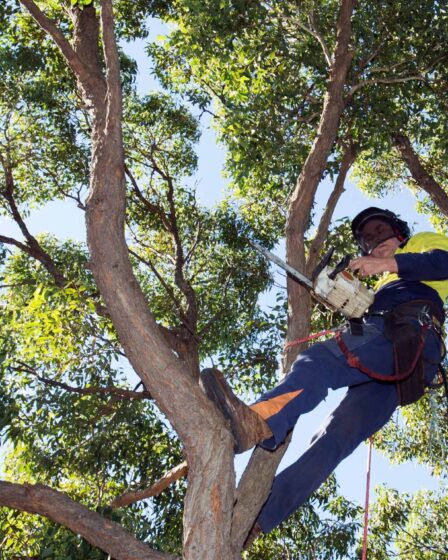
{"x":426,"y":311}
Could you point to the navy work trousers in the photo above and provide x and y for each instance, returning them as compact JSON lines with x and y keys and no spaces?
{"x":366,"y":407}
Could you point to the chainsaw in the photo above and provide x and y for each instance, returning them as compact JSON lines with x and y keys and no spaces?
{"x":336,"y":288}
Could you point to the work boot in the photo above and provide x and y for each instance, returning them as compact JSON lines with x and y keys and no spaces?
{"x":248,"y":428}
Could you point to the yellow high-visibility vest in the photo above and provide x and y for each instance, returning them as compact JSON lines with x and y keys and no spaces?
{"x":421,"y":243}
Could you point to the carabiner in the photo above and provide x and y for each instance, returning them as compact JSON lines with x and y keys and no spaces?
{"x":424,"y":317}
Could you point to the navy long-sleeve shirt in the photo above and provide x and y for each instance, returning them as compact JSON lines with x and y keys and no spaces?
{"x":422,"y":273}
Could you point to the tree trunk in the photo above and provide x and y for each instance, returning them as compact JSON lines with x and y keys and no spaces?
{"x":208,"y":443}
{"x":206,"y":438}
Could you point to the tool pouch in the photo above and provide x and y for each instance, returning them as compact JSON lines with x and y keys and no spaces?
{"x":405,"y":335}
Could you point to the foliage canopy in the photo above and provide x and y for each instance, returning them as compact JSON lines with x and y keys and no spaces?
{"x":72,"y":414}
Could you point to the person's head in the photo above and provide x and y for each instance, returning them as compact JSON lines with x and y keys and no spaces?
{"x":379,"y":232}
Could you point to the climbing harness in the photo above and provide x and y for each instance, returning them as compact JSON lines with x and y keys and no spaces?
{"x":406,"y":326}
{"x":355,"y":362}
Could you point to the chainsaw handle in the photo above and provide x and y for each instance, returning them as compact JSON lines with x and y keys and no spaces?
{"x":342,"y":265}
{"x":323,"y":263}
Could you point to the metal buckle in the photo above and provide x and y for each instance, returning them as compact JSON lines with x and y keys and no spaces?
{"x":424,"y":317}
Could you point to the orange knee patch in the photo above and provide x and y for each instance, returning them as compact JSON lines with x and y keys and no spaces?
{"x":268,"y":408}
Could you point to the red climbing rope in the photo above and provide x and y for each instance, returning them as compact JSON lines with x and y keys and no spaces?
{"x":367,"y":503}
{"x":310,"y":337}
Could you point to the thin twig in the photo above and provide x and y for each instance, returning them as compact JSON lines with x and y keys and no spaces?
{"x":159,"y":277}
{"x":122,"y":393}
{"x":153,"y":208}
{"x":390,"y":80}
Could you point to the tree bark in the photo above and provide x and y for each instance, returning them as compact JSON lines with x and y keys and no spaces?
{"x":93,"y":527}
{"x":256,"y":482}
{"x":421,"y":176}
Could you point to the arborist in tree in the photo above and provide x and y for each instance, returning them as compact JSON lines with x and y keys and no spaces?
{"x":388,"y":360}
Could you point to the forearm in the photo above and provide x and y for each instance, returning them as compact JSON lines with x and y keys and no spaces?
{"x":368,"y":266}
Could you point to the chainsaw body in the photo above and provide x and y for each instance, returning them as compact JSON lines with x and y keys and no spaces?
{"x":342,"y":292}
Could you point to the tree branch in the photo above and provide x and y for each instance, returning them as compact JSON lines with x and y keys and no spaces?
{"x":73,"y":60}
{"x":420,"y":175}
{"x":98,"y":531}
{"x":419,"y":76}
{"x":178,"y":339}
{"x":195,"y":243}
{"x":390,"y":80}
{"x":322,"y":230}
{"x":302,"y":198}
{"x":153,"y":208}
{"x":157,"y":488}
{"x":76,"y":198}
{"x":368,"y":59}
{"x":32,"y":247}
{"x":166,"y":286}
{"x":117,"y":391}
{"x":18,"y":244}
{"x":112,"y":60}
{"x":184,"y":286}
{"x":170,"y":223}
{"x":313,"y":31}
{"x":253,"y":490}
